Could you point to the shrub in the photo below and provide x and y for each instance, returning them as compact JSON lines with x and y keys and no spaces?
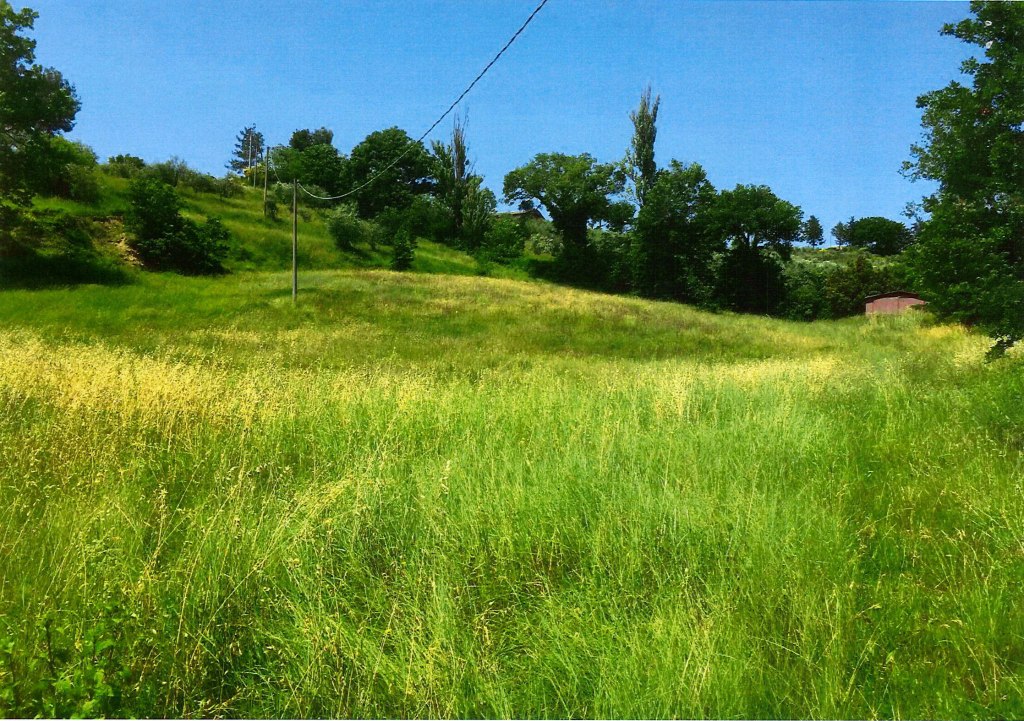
{"x":166,"y":240}
{"x":124,"y":166}
{"x":804,"y":284}
{"x":345,"y":229}
{"x":504,"y":241}
{"x":82,"y":184}
{"x":64,"y":169}
{"x":270,"y":208}
{"x":169,"y":172}
{"x":403,"y":250}
{"x":229,"y":187}
{"x":848,"y":285}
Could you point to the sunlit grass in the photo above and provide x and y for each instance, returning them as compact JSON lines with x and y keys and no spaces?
{"x":416,"y":495}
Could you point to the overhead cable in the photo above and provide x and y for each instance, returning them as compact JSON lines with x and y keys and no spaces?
{"x":437,"y":122}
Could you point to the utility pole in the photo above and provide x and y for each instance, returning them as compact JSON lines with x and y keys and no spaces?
{"x":248,"y":154}
{"x":255,"y":157}
{"x":295,"y":239}
{"x":266,"y":172}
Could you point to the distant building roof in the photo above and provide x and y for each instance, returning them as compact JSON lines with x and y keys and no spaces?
{"x":893,"y":294}
{"x":530,"y":214}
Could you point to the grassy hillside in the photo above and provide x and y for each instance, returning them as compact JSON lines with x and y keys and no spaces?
{"x":425,"y":495}
{"x":257,"y":243}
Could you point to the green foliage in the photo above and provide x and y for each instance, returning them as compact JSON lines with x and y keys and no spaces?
{"x":877,"y":235}
{"x":970,"y":258}
{"x":640,"y":164}
{"x":302,"y":140}
{"x":752,"y":216}
{"x":322,"y":166}
{"x":750,"y":280}
{"x":812,"y":232}
{"x":838,"y":288}
{"x":672,"y":250}
{"x":576,"y":191}
{"x":57,"y":668}
{"x":248,"y":150}
{"x":270,"y":208}
{"x":451,"y":172}
{"x":66,"y":170}
{"x":166,"y":240}
{"x":478,"y":209}
{"x":57,"y":248}
{"x":403,"y":249}
{"x":804,"y":283}
{"x":395,"y":185}
{"x":345,"y":229}
{"x":124,"y":166}
{"x":36,"y":104}
{"x":504,"y":241}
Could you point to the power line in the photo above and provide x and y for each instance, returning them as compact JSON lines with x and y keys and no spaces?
{"x":444,"y":115}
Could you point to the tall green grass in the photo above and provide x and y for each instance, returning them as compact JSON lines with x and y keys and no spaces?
{"x":416,"y":495}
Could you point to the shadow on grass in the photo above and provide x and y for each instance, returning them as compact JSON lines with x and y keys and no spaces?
{"x":35,"y":271}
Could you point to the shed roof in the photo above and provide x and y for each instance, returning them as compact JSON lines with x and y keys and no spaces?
{"x":893,"y":294}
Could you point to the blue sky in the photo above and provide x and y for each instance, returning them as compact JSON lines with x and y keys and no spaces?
{"x":815,"y":99}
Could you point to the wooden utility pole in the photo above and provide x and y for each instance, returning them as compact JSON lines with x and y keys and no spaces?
{"x":295,"y":239}
{"x":266,"y":172}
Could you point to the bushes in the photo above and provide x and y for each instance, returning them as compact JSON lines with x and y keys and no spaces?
{"x":835,"y":290}
{"x":166,"y":240}
{"x":504,"y":241}
{"x":124,"y":166}
{"x":403,"y":250}
{"x":345,"y":229}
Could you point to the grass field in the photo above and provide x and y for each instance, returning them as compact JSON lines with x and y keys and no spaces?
{"x":433,"y":495}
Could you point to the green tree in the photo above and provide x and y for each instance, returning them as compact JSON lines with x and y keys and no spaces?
{"x":969,"y":256}
{"x":877,"y":235}
{"x":166,"y":240}
{"x":302,"y":139}
{"x":752,"y":216}
{"x":812,"y":232}
{"x":403,"y":250}
{"x":453,"y":177}
{"x":847,"y":285}
{"x":672,"y":252}
{"x":321,"y":165}
{"x":576,"y":191}
{"x":640,"y":165}
{"x":392,"y":167}
{"x":841,"y":232}
{"x":759,"y":229}
{"x":36,"y":104}
{"x":248,"y":150}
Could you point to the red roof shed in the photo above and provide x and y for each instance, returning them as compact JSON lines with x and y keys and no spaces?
{"x":894,"y":302}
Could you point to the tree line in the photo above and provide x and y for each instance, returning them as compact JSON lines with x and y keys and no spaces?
{"x":631,"y":225}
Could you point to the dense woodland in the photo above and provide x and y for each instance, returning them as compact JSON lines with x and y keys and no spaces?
{"x":634,"y":225}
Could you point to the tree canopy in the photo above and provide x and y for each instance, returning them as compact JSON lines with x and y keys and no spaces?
{"x":672,"y":252}
{"x":248,"y":149}
{"x":399,"y":166}
{"x":969,"y":257}
{"x":640,"y":164}
{"x":812,"y":233}
{"x":754,"y":217}
{"x":878,"y":235}
{"x":578,"y":192}
{"x":36,"y":104}
{"x":302,"y":139}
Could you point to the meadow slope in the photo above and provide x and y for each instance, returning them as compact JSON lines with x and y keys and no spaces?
{"x":425,"y":495}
